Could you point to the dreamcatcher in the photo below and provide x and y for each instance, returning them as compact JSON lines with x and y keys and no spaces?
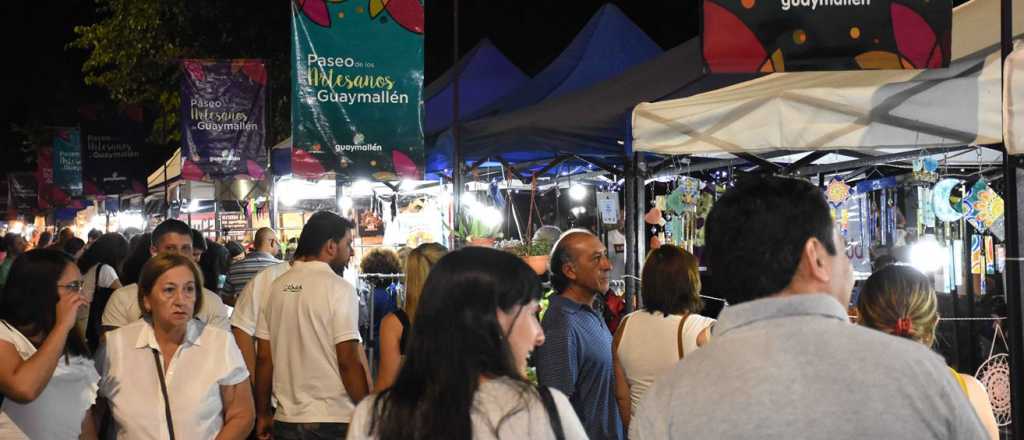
{"x":994,"y":374}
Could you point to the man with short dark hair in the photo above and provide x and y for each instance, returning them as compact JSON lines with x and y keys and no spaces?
{"x":170,"y":236}
{"x":309,"y":352}
{"x":576,"y":357}
{"x":264,"y":247}
{"x":785,"y":361}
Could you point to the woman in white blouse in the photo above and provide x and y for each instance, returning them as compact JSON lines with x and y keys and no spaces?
{"x":46,"y":374}
{"x":195,"y":372}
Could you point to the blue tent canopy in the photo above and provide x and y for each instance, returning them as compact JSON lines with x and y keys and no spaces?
{"x":485,"y":76}
{"x":593,"y":123}
{"x":608,"y":45}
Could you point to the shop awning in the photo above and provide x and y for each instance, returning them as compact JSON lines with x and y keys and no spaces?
{"x":959,"y":105}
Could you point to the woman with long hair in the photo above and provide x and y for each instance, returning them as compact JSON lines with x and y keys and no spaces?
{"x":900,"y":300}
{"x":651,"y":341}
{"x":394,"y":327}
{"x":100,"y":265}
{"x":195,"y":370}
{"x":464,"y":372}
{"x":138,"y":254}
{"x":46,"y":372}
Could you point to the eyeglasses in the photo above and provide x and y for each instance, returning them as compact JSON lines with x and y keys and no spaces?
{"x":74,"y":286}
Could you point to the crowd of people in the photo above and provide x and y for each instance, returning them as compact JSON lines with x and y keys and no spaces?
{"x":135,"y":339}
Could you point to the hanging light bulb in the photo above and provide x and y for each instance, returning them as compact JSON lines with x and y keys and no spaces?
{"x":577,"y":192}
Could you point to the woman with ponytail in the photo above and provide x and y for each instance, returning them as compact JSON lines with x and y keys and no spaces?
{"x":464,"y":371}
{"x":899,"y":300}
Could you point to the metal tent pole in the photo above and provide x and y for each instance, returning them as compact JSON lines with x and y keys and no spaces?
{"x":457,"y":159}
{"x":1015,"y":332}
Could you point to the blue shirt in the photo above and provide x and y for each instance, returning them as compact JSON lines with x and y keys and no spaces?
{"x":576,"y":359}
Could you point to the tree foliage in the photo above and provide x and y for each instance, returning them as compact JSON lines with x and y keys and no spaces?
{"x":136,"y":47}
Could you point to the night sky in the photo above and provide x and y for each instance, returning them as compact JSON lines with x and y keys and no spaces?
{"x":45,"y":85}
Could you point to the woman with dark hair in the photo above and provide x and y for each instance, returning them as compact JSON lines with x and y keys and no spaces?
{"x":99,"y":265}
{"x":385,"y":262}
{"x":900,"y":300}
{"x":46,"y":372}
{"x":214,"y":262}
{"x":464,"y":371}
{"x":203,"y":388}
{"x":651,"y":341}
{"x":138,"y":253}
{"x":73,"y":247}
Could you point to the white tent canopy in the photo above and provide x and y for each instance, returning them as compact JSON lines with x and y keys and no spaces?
{"x":959,"y":105}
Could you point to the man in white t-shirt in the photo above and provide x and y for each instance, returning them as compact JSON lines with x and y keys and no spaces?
{"x":172,"y":236}
{"x":309,"y":352}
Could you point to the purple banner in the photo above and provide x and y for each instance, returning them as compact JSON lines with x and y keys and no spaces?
{"x":223,"y":119}
{"x":112,"y":151}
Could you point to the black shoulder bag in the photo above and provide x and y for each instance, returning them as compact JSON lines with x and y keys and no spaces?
{"x":552,"y":410}
{"x":163,"y":388}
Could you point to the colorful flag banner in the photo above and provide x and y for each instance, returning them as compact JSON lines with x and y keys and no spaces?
{"x":67,"y":161}
{"x":357,"y":90}
{"x":223,"y":119}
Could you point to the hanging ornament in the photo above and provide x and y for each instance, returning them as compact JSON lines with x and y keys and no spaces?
{"x":983,"y":206}
{"x":837,"y":192}
{"x":689,"y":187}
{"x":674,"y":202}
{"x":940,"y":201}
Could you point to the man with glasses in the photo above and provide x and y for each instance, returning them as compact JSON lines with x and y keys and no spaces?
{"x":576,"y":357}
{"x":264,"y":244}
{"x":171,"y":236}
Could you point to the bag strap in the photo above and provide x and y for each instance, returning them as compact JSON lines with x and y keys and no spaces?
{"x":679,"y":336}
{"x":163,"y":388}
{"x":552,"y":410}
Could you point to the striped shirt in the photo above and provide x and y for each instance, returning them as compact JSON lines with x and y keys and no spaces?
{"x":576,"y":359}
{"x":242,"y":271}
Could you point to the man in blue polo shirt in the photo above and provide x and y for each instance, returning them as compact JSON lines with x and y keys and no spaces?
{"x":576,"y":357}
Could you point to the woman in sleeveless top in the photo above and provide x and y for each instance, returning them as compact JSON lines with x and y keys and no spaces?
{"x":394,"y":328}
{"x":650,"y":341}
{"x":900,"y":300}
{"x":47,"y":376}
{"x":99,"y":266}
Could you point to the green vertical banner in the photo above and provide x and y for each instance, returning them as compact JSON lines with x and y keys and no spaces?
{"x":357,"y":92}
{"x":67,"y":161}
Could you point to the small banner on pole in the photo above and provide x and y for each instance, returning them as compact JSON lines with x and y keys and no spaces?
{"x":48,"y":195}
{"x":23,"y":193}
{"x":357,"y":90}
{"x":67,"y":161}
{"x":223,"y":119}
{"x":751,"y":36}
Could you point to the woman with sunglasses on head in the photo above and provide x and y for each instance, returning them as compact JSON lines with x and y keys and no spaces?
{"x":464,"y":371}
{"x":195,"y":371}
{"x":47,"y":376}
